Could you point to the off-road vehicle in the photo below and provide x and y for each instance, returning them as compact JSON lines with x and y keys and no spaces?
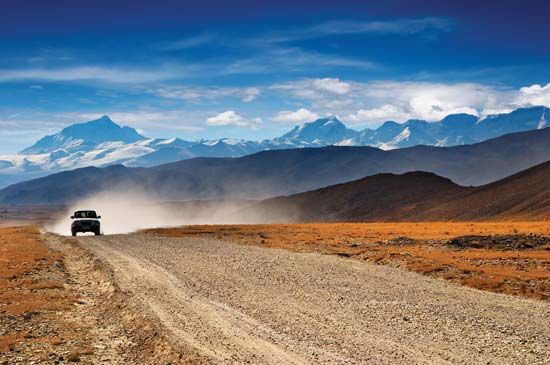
{"x":86,"y":221}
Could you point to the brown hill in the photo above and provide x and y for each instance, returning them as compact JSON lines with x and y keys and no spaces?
{"x":525,"y":195}
{"x":414,"y":196}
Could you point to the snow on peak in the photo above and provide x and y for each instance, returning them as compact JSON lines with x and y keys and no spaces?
{"x":232,"y":141}
{"x":167,"y":141}
{"x":394,"y":143}
{"x":347,"y":142}
{"x":542,"y":121}
{"x":330,"y":120}
{"x":406,"y":133}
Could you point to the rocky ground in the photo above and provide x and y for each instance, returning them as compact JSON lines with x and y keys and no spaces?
{"x":237,"y":304}
{"x":501,"y":242}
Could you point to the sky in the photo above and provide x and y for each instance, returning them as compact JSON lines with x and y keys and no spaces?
{"x":254,"y":69}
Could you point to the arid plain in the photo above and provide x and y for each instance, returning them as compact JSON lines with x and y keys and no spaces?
{"x":91,"y":299}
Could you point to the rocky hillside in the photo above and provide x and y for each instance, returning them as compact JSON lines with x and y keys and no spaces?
{"x":414,"y":196}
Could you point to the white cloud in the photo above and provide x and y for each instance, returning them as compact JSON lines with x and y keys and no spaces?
{"x":376,"y":101}
{"x":230,"y":117}
{"x":534,"y":95}
{"x":250,"y":94}
{"x":334,"y":86}
{"x":315,"y":89}
{"x":376,"y":115}
{"x":433,"y":101}
{"x":299,"y":116}
{"x":87,"y":73}
{"x":198,"y":93}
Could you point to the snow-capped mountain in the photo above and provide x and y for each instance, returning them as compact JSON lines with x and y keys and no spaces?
{"x":454,"y":129}
{"x":83,"y":136}
{"x":324,"y":131}
{"x":102,"y":142}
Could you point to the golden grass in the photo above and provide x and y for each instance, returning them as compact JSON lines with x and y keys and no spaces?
{"x":29,"y":283}
{"x":23,"y":254}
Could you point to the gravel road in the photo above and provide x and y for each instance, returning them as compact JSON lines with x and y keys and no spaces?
{"x":238,"y":304}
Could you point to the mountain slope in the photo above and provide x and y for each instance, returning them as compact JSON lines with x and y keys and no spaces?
{"x":102,"y":142}
{"x":378,"y":197}
{"x":283,"y":172}
{"x":414,"y":196}
{"x":525,"y":195}
{"x":518,"y":120}
{"x":455,"y":129}
{"x":89,"y":134}
{"x":325,"y":131}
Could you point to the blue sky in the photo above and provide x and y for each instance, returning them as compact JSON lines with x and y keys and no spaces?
{"x":251,"y":69}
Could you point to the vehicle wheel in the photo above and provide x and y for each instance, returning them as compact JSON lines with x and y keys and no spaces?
{"x":97,"y":233}
{"x":73,"y":233}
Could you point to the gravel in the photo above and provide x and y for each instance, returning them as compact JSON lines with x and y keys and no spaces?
{"x":241,"y":304}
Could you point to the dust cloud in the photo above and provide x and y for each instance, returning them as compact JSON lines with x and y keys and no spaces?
{"x":130,"y":211}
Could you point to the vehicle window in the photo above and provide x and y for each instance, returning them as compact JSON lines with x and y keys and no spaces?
{"x":85,"y":214}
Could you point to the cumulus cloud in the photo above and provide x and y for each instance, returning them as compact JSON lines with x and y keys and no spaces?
{"x":299,"y":116}
{"x":250,"y":94}
{"x":315,"y":89}
{"x":376,"y":101}
{"x":334,"y":86}
{"x":433,"y":101}
{"x":376,"y":115}
{"x":534,"y":95}
{"x":230,"y":117}
{"x":429,"y":101}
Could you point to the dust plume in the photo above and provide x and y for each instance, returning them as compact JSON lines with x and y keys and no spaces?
{"x":129,"y":211}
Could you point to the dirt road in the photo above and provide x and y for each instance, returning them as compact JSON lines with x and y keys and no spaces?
{"x":244,"y":304}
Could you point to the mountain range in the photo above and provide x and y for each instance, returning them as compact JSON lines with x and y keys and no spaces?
{"x":413,"y":196}
{"x":103,"y":143}
{"x":283,"y":172}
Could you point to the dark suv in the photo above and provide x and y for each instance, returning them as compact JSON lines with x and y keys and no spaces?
{"x":86,"y":221}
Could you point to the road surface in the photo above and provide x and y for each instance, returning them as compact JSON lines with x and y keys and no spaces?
{"x":239,"y":304}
